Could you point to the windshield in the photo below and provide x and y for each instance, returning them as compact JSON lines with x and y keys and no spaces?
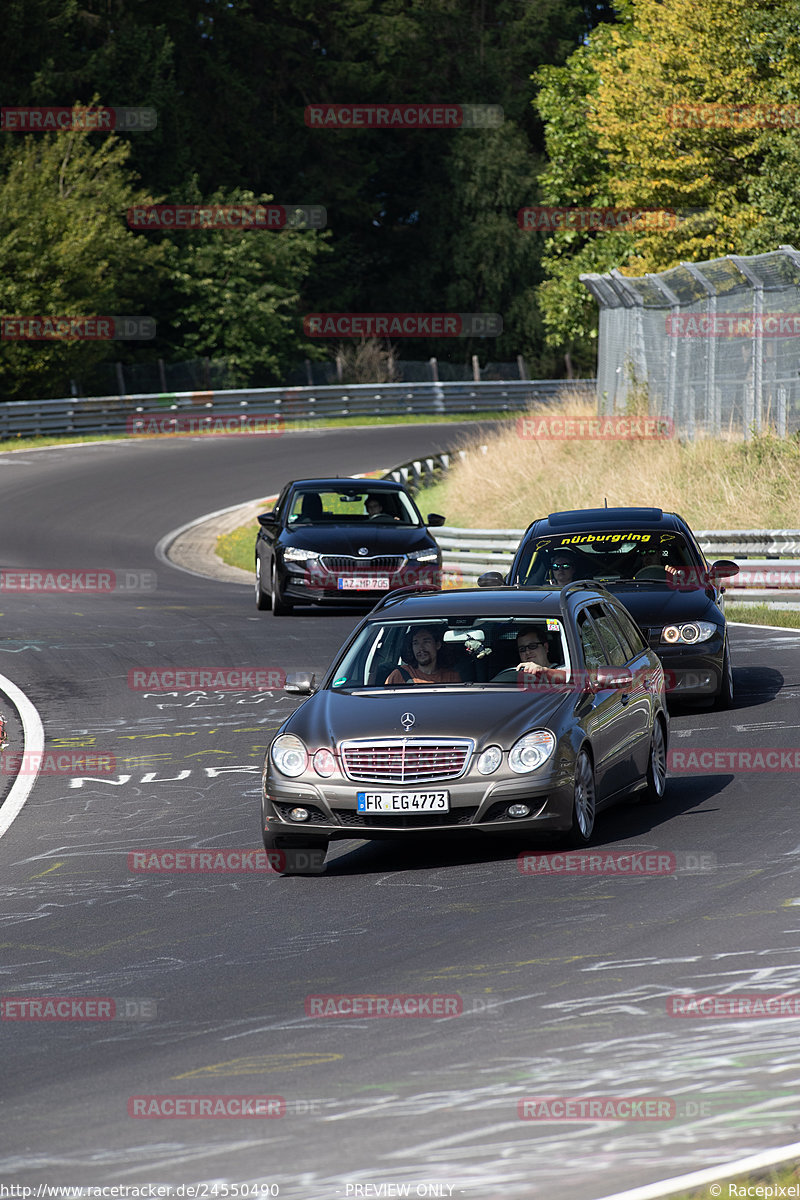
{"x":322,"y":506}
{"x":605,"y":556}
{"x":450,"y":652}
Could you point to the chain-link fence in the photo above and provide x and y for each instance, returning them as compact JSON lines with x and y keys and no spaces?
{"x":712,"y":346}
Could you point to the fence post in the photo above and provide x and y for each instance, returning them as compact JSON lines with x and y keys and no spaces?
{"x":476,"y":369}
{"x":120,"y":380}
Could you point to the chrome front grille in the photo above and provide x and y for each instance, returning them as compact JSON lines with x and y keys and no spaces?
{"x":345,"y":564}
{"x":405,"y":760}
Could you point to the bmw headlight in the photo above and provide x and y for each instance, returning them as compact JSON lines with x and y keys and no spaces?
{"x":289,"y":755}
{"x":424,"y":556}
{"x":295,"y":554}
{"x":531,"y":751}
{"x":490,"y":760}
{"x":688,"y":633}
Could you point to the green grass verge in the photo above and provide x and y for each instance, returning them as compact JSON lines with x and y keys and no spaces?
{"x":763,"y":614}
{"x":238,"y":547}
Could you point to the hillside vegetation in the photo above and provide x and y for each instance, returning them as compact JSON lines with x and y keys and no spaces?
{"x":714,"y":483}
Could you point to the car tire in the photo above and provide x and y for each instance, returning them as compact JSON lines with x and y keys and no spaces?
{"x":656,"y":766}
{"x":263,"y":599}
{"x":584,"y":802}
{"x":280,"y":607}
{"x":724,"y":697}
{"x":281,"y":849}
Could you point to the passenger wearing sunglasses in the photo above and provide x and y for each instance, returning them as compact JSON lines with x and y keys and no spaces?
{"x":563,"y":567}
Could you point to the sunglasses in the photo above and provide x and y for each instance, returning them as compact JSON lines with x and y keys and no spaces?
{"x":562,"y":566}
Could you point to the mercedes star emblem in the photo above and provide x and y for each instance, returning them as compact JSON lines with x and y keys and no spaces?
{"x":407,"y":720}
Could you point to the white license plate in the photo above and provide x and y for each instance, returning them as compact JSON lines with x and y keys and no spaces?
{"x":405,"y":802}
{"x":363,"y":583}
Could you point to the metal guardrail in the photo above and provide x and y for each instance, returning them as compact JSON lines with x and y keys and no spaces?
{"x":115,"y":414}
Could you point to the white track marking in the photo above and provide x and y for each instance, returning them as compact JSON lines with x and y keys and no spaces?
{"x":33,"y":743}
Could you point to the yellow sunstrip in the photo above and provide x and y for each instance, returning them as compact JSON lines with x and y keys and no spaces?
{"x":577,"y":539}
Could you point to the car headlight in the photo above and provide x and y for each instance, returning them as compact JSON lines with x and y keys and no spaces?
{"x":490,"y":760}
{"x":424,"y":555}
{"x":289,"y":755}
{"x":324,"y":763}
{"x":688,"y":633}
{"x":531,"y":751}
{"x":295,"y":554}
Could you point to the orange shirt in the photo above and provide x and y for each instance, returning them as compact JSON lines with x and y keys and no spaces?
{"x":442,"y":675}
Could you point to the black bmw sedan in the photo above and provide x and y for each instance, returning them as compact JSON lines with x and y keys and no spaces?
{"x":343,"y":541}
{"x":515,"y":710}
{"x":651,"y":561}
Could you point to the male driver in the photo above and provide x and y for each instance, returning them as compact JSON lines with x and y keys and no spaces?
{"x":534,"y":665}
{"x":425,"y":647}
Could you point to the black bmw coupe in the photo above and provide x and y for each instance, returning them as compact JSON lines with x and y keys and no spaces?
{"x":651,"y":561}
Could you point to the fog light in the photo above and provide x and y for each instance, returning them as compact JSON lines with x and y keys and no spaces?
{"x":298,"y":814}
{"x":518,"y":810}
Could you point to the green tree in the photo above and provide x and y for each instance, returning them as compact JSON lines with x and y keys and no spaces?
{"x":618,"y":141}
{"x":237,"y":295}
{"x":65,"y":251}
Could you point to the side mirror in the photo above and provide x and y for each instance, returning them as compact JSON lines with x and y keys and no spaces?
{"x":268,"y":519}
{"x":300,"y":683}
{"x":611,"y":677}
{"x":436,"y":519}
{"x":491,"y":579}
{"x":723,"y":568}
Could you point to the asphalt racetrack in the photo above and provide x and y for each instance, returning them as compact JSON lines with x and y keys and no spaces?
{"x":564,"y":981}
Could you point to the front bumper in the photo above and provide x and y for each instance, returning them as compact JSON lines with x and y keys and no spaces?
{"x":475,"y":804}
{"x":320,"y":586}
{"x":692,"y":671}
